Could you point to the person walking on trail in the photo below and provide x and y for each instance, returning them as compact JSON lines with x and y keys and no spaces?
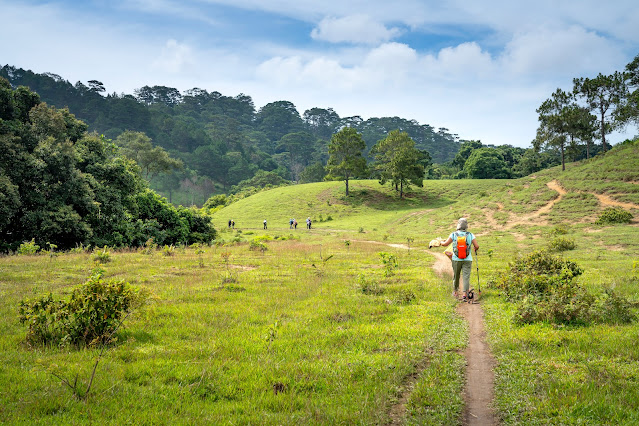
{"x":294,"y":223}
{"x":290,"y":224}
{"x":308,"y":223}
{"x":264,"y":223}
{"x":462,"y":258}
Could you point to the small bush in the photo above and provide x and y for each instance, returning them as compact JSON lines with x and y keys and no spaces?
{"x":102,"y":256}
{"x":390,"y":263}
{"x":28,"y":248}
{"x":543,"y":287}
{"x":559,"y":230}
{"x":612,"y":308}
{"x":257,"y":244}
{"x":612,"y":215}
{"x":404,"y":297}
{"x":168,"y":250}
{"x":369,"y":286}
{"x":535,"y":275}
{"x":91,"y":316}
{"x":562,"y":244}
{"x":149,"y":247}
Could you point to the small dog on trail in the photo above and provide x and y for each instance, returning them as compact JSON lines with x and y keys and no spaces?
{"x":437,"y":242}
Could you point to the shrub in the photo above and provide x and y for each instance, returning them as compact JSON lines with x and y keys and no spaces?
{"x":28,"y":248}
{"x":543,"y":286}
{"x":404,"y":297}
{"x":559,"y":230}
{"x":390,"y":263}
{"x":102,"y":256}
{"x":562,"y":244}
{"x":612,"y":308}
{"x":91,"y":316}
{"x":535,"y":274}
{"x":614,"y":215}
{"x":257,"y":244}
{"x":368,"y":286}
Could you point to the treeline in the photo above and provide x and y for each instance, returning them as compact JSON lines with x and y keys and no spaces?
{"x":62,"y":186}
{"x":223,"y":140}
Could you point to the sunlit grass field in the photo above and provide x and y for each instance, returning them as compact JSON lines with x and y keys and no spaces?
{"x":317,"y":329}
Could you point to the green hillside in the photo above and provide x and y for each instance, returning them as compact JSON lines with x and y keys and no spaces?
{"x":489,"y":204}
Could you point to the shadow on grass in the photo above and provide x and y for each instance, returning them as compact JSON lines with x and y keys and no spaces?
{"x":382,"y":200}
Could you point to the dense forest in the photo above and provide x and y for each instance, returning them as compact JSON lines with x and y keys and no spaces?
{"x":222,"y":140}
{"x":61,"y":186}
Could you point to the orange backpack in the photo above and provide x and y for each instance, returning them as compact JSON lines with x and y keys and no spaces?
{"x":461,"y":248}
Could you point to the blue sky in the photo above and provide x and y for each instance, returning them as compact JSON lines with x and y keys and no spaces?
{"x":479,"y":69}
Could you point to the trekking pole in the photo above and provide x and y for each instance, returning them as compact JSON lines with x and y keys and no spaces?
{"x":477,"y":264}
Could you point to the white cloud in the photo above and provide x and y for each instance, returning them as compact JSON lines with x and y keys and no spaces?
{"x":570,"y":51}
{"x":174,"y":58}
{"x":353,"y":29}
{"x":465,"y":62}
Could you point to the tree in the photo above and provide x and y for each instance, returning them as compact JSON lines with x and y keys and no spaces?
{"x":345,"y":156}
{"x":299,"y":146}
{"x":277,"y":119}
{"x":313,"y":173}
{"x":466,"y":148}
{"x":96,"y":86}
{"x":321,"y":122}
{"x":398,"y":161}
{"x":152,"y":160}
{"x":168,"y":96}
{"x":630,"y":112}
{"x":486,"y":163}
{"x":553,"y":118}
{"x":606,"y":95}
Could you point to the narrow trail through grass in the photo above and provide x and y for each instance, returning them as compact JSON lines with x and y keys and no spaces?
{"x":480,"y":377}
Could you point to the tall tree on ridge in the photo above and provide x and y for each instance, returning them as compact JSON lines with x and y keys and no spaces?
{"x":345,"y":155}
{"x":606,"y":95}
{"x":399,"y":161}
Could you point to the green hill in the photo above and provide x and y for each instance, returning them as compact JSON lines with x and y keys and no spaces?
{"x":490,"y":205}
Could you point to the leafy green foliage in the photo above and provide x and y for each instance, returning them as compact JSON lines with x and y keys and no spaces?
{"x":89,"y":318}
{"x":28,"y":248}
{"x":561,"y":244}
{"x":612,"y":215}
{"x":535,"y":274}
{"x":399,"y":162}
{"x":486,"y":163}
{"x":543,"y":288}
{"x":65,"y":187}
{"x":346,"y":160}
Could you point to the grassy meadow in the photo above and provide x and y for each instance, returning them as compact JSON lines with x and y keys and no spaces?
{"x":316,"y":327}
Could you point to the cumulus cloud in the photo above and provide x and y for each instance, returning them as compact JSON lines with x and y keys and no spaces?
{"x":565,"y":51}
{"x":174,"y":58}
{"x":466,"y":61}
{"x":353,"y":29}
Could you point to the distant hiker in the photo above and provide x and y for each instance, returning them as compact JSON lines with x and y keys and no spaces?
{"x":290,"y":223}
{"x":264,"y":223}
{"x":294,"y":223}
{"x":308,"y":223}
{"x":230,"y":222}
{"x":233,"y":224}
{"x":462,"y":257}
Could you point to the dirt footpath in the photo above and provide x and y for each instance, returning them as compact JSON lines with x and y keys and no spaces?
{"x":480,"y":378}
